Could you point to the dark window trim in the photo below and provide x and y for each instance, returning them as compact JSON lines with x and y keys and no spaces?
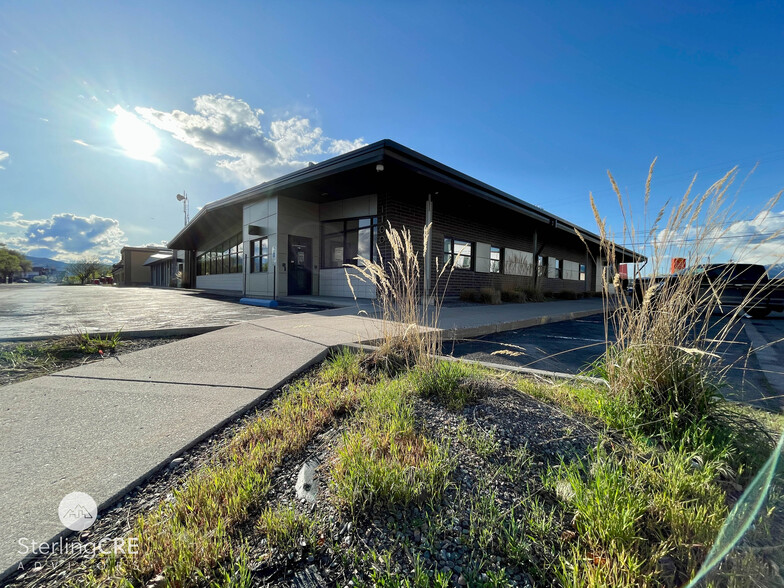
{"x":261,"y":256}
{"x":541,"y":265}
{"x":373,"y":226}
{"x":223,"y":258}
{"x":450,"y":255}
{"x":501,"y":252}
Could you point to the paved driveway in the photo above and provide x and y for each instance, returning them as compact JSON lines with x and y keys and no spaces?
{"x":38,"y":310}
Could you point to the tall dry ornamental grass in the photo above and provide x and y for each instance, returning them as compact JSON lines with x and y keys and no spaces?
{"x":410,"y":334}
{"x":666,"y":358}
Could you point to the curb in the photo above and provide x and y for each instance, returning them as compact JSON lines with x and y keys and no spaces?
{"x":529,"y":371}
{"x":143,"y":334}
{"x":468,"y":332}
{"x":495,"y":366}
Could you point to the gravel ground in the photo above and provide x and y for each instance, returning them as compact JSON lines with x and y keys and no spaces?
{"x":437,"y":534}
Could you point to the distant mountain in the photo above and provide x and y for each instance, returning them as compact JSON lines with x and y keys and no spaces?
{"x":46,"y":262}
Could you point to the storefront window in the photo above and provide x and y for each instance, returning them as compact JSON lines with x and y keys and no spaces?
{"x":345,"y":240}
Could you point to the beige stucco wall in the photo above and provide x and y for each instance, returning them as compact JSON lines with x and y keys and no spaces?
{"x":280,"y":217}
{"x":264,"y":214}
{"x":135,"y":272}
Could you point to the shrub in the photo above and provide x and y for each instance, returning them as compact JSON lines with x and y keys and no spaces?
{"x":489,"y":296}
{"x":470,"y":295}
{"x":514,"y":296}
{"x":533,"y":295}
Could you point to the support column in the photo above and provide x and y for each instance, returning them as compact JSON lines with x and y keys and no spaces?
{"x":429,"y":245}
{"x":537,"y":252}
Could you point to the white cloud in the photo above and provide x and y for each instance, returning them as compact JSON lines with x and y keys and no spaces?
{"x":82,"y":143}
{"x":64,"y":236}
{"x":3,"y":156}
{"x":756,"y":240}
{"x":231,"y":131}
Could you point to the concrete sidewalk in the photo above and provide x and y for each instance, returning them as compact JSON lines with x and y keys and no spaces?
{"x":104,"y":427}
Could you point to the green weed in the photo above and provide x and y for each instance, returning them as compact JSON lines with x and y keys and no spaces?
{"x":383,"y":460}
{"x":449,"y":382}
{"x":483,"y":442}
{"x":96,"y":343}
{"x":343,"y":368}
{"x":284,"y":527}
{"x":193,"y":532}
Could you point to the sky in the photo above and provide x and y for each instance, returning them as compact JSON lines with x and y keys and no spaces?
{"x":108,"y":110}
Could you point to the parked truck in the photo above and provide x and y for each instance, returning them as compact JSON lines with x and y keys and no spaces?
{"x":732,"y":285}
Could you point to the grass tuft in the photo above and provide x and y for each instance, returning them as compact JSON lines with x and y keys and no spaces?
{"x":284,"y":527}
{"x":449,"y":382}
{"x":383,"y":460}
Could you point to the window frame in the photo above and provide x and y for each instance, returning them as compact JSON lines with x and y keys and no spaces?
{"x":500,"y":267}
{"x":223,"y":258}
{"x":263,"y":265}
{"x":451,"y":254}
{"x":371,"y":225}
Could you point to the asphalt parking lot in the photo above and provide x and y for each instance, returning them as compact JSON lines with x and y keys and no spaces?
{"x":44,"y":310}
{"x":572,"y":346}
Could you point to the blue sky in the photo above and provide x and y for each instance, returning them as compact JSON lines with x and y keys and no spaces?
{"x":108,"y":110}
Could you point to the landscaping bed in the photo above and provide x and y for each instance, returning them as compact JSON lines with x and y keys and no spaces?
{"x":438,"y":475}
{"x":22,"y":360}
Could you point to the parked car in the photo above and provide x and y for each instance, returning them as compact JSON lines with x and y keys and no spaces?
{"x":733,"y":285}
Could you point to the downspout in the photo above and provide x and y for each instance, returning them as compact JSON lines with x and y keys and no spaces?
{"x":587,"y":268}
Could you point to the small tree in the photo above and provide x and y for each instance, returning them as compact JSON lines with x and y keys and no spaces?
{"x":12,"y":262}
{"x":84,"y":269}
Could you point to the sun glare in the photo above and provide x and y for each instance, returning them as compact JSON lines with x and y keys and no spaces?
{"x":136,"y":138}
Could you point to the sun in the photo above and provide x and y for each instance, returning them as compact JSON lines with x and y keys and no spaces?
{"x":136,"y":138}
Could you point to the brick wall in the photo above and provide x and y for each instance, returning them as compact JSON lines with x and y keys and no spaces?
{"x":462,"y":216}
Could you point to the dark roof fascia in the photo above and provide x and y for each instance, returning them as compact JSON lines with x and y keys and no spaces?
{"x":362,"y":156}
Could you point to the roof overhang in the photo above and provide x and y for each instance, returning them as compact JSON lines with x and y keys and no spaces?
{"x":158,"y":257}
{"x":321,"y":176}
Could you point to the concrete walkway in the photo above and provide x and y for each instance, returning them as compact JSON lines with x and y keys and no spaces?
{"x":104,"y":427}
